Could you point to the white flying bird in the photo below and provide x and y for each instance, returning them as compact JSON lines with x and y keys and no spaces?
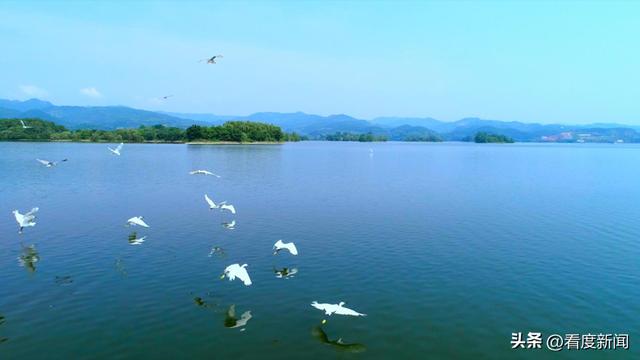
{"x":138,"y":220}
{"x":203,"y":172}
{"x":231,"y":225}
{"x":211,"y":60}
{"x":25,"y":220}
{"x":25,"y":126}
{"x":279,"y":245}
{"x":338,"y":309}
{"x":116,"y":151}
{"x":48,"y":163}
{"x":212,"y":205}
{"x":235,"y":270}
{"x":225,"y":206}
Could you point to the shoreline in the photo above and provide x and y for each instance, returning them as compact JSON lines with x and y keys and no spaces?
{"x":153,"y":142}
{"x":235,"y":143}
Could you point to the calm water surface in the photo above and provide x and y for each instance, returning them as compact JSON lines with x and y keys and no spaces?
{"x":449,"y":248}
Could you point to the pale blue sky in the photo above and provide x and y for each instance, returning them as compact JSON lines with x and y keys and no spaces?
{"x":571,"y":62}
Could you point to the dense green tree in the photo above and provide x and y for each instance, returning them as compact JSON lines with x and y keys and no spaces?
{"x":483,"y":137}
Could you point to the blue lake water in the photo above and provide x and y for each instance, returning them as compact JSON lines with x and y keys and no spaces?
{"x":448,"y":248}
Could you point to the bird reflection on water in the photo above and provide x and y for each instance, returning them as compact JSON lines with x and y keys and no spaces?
{"x":217,"y":251}
{"x":285,"y":272}
{"x":321,"y":335}
{"x":232,"y":322}
{"x":2,"y":339}
{"x":29,"y":258}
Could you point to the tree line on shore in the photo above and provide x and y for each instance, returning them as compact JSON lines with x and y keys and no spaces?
{"x":232,"y":131}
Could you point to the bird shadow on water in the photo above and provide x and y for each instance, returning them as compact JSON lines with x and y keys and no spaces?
{"x":321,"y":336}
{"x":230,"y":319}
{"x":218,"y":252}
{"x":2,"y":338}
{"x":232,"y":322}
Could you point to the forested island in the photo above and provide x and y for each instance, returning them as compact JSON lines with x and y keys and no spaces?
{"x":483,"y":137}
{"x":229,"y":132}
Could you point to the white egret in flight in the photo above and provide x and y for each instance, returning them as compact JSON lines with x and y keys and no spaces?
{"x":279,"y":245}
{"x":239,"y":271}
{"x":137,"y":220}
{"x":203,"y":172}
{"x":48,"y":163}
{"x":25,"y":220}
{"x":24,"y":126}
{"x":338,"y":309}
{"x":116,"y":151}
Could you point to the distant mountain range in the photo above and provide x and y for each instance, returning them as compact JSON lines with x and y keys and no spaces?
{"x":316,"y":126}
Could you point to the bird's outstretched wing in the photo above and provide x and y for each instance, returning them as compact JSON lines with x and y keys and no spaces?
{"x":212,"y":205}
{"x":120,"y":147}
{"x":292,"y":248}
{"x":19,"y":217}
{"x":318,"y":306}
{"x":32,"y":212}
{"x":346,"y":311}
{"x":138,"y":221}
{"x":43,"y":162}
{"x":231,"y":208}
{"x":244,"y":275}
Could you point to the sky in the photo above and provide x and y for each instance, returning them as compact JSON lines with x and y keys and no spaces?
{"x":548,"y":62}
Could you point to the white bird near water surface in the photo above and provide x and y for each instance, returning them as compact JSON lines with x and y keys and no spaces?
{"x":229,"y":225}
{"x":48,"y":163}
{"x":239,"y":271}
{"x":203,"y":172}
{"x":25,"y":220}
{"x":117,"y":150}
{"x":338,"y":309}
{"x":279,"y":245}
{"x":137,"y":220}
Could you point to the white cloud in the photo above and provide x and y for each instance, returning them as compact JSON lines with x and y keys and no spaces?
{"x":33,"y":91}
{"x":91,"y":92}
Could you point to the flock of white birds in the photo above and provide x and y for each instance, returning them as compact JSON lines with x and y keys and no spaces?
{"x":232,"y":271}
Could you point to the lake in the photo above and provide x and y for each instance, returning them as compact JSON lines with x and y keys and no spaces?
{"x":448,"y":248}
